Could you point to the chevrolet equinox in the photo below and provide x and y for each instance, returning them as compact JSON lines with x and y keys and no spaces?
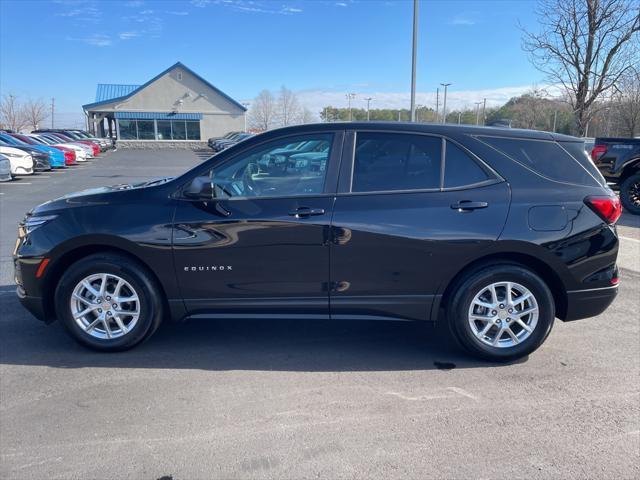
{"x":495,"y":231}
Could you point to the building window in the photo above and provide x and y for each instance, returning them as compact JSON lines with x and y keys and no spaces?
{"x":179,"y":75}
{"x":193,"y":130}
{"x":179,"y":130}
{"x":159,"y":129}
{"x":164,"y":129}
{"x":128,"y":130}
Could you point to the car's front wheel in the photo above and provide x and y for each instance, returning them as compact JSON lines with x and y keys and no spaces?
{"x":108,"y":302}
{"x":501,"y":312}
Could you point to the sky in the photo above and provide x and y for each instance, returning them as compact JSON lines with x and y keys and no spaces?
{"x":321,"y":49}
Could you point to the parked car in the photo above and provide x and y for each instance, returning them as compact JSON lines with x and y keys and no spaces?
{"x":68,"y":152}
{"x":77,"y":136}
{"x":494,"y":231}
{"x":56,"y":157}
{"x":618,"y":159}
{"x":81,"y":153}
{"x":40,"y":159}
{"x":224,"y":144}
{"x":21,"y":162}
{"x":5,"y":169}
{"x":229,"y":135}
{"x":92,"y":149}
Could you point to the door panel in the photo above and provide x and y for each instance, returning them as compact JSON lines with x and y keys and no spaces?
{"x":254,"y":258}
{"x":389,"y":249}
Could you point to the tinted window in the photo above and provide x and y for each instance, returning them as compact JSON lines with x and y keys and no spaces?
{"x":544,"y":157}
{"x":193,"y":130}
{"x":460,"y":169}
{"x":128,"y":129}
{"x":275,"y":169}
{"x":582,"y":155}
{"x":392,"y":161}
{"x":146,"y":130}
{"x":164,"y":129}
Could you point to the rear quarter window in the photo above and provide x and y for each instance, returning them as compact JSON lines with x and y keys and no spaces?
{"x":546,"y":158}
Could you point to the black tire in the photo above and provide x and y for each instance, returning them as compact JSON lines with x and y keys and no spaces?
{"x":471,"y":284}
{"x":150,"y":301}
{"x":630,"y":193}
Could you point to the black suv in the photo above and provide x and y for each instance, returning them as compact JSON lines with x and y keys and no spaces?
{"x":494,"y":231}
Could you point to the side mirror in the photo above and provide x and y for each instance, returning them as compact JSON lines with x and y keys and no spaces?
{"x":200,"y":188}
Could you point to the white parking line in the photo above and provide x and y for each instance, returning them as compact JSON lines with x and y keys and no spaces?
{"x":630,"y":239}
{"x":16,"y":183}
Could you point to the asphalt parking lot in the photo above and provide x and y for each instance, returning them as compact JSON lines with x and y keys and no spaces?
{"x":288,"y":399}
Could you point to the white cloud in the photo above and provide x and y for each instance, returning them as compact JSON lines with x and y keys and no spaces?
{"x":96,"y":39}
{"x":463,"y":19}
{"x":128,"y":35}
{"x":341,"y":4}
{"x":178,"y":13}
{"x":250,"y":6}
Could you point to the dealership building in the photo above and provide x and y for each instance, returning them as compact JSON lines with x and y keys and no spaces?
{"x":176,"y":107}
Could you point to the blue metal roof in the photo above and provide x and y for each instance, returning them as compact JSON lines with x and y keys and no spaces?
{"x":157,"y":116}
{"x":108,"y":91}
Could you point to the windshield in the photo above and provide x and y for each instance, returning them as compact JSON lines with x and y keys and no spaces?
{"x":10,"y":140}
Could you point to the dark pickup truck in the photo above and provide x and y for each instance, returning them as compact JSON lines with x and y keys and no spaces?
{"x":618,"y":159}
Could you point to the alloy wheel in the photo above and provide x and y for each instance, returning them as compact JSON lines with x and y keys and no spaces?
{"x":105,"y":306}
{"x":503,"y":314}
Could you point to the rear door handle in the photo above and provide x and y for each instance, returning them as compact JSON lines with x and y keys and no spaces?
{"x":304,"y":212}
{"x":468,"y":205}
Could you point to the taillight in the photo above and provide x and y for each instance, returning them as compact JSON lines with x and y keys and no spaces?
{"x":607,"y":208}
{"x":598,"y":151}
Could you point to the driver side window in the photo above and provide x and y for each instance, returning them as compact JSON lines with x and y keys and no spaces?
{"x":285,"y":167}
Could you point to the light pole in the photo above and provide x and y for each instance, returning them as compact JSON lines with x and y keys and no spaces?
{"x":413,"y":60}
{"x":418,"y":107}
{"x":484,"y":110}
{"x":437,"y":104}
{"x":444,"y":103}
{"x":368,"y":99}
{"x":478,"y":112}
{"x":459,"y":117}
{"x":349,"y":97}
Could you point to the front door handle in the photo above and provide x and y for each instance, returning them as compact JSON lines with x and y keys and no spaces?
{"x":303,"y":212}
{"x":468,"y":205}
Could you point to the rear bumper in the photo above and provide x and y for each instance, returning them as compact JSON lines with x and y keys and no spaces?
{"x":589,"y":303}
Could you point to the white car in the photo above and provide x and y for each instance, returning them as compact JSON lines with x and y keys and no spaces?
{"x":5,"y":169}
{"x":81,"y":154}
{"x":21,"y":162}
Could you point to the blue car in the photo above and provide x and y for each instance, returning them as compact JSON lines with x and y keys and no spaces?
{"x":56,"y":157}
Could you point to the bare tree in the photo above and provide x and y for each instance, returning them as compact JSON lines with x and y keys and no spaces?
{"x":586,"y":46}
{"x":35,"y":112}
{"x":628,"y":105}
{"x":12,"y":114}
{"x":263,"y":111}
{"x":288,"y":107}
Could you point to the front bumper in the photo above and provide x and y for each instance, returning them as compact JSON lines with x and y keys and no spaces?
{"x":35,"y":305}
{"x":589,"y":303}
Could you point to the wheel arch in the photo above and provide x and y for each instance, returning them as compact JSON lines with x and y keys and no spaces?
{"x":72,"y":255}
{"x":629,"y":168}
{"x":538,"y":266}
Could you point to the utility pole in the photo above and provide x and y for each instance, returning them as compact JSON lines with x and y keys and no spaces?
{"x":399,"y":112}
{"x":418,"y":107}
{"x":459,"y":117}
{"x":484,"y":109}
{"x":368,"y":99}
{"x":444,"y":103}
{"x":478,"y":112}
{"x":413,"y":60}
{"x":245,"y":105}
{"x":437,"y":104}
{"x":349,"y":97}
{"x":555,"y":117}
{"x":53,"y":102}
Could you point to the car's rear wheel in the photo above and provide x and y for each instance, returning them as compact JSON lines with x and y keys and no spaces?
{"x":630,"y":193}
{"x":501,"y":312}
{"x":108,"y":302}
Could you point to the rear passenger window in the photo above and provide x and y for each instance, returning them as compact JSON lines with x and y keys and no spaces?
{"x":544,"y":157}
{"x":460,"y":169}
{"x":392,"y":161}
{"x":577,"y":151}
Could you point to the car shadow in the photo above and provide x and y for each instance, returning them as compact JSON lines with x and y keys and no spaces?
{"x":220,"y":345}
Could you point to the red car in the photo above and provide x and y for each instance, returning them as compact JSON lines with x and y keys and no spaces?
{"x":69,"y":154}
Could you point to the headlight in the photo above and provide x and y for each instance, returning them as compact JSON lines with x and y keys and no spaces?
{"x":31,"y":223}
